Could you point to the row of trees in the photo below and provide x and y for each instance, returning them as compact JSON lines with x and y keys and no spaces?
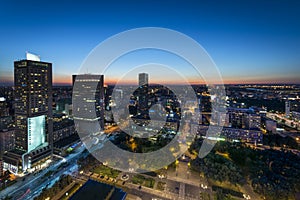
{"x":63,"y":182}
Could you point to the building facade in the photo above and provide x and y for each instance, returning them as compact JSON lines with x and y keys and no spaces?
{"x":242,"y":118}
{"x":287,"y":108}
{"x":254,"y":136}
{"x":7,"y":140}
{"x":4,"y":111}
{"x":143,"y":95}
{"x":33,"y":114}
{"x":88,"y":103}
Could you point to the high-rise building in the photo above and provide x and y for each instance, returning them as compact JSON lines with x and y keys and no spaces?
{"x":88,"y":102}
{"x":143,"y":95}
{"x":287,"y":108}
{"x":33,"y":114}
{"x":143,"y":79}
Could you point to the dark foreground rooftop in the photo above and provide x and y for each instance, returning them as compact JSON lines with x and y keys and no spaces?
{"x":94,"y":190}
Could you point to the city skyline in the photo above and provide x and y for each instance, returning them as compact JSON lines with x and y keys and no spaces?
{"x":142,"y":99}
{"x":259,"y":46}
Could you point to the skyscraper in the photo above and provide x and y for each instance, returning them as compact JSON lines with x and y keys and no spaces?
{"x":88,"y":102}
{"x":143,"y":79}
{"x":33,"y":114}
{"x":287,"y":108}
{"x":143,"y":95}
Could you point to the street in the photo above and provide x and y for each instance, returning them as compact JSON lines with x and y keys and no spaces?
{"x":35,"y":183}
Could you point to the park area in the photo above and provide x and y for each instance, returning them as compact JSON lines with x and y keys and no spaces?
{"x":106,"y":171}
{"x":141,"y":180}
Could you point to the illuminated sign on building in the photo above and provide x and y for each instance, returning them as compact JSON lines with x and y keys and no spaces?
{"x":30,"y":56}
{"x":36,"y":132}
{"x":13,"y":169}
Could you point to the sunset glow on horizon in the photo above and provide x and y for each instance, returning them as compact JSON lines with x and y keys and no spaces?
{"x":260,"y":46}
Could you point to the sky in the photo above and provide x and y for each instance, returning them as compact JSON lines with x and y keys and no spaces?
{"x":250,"y":41}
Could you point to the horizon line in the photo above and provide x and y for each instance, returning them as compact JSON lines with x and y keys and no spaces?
{"x":11,"y":84}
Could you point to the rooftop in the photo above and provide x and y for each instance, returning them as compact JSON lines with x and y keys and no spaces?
{"x":96,"y":190}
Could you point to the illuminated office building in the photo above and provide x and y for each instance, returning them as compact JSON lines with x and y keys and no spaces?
{"x":88,"y":103}
{"x":143,"y":95}
{"x":287,"y":108}
{"x":143,"y":79}
{"x":33,"y":114}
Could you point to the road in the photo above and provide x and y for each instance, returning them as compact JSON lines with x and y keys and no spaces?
{"x":33,"y":183}
{"x":287,"y":122}
{"x":37,"y":188}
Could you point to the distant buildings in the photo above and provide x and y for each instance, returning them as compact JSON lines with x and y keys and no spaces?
{"x":33,"y":114}
{"x":64,"y":105}
{"x":271,"y":125}
{"x":244,"y":125}
{"x":241,"y":125}
{"x":243,"y":135}
{"x":5,"y":118}
{"x":4,"y":111}
{"x":244,"y":118}
{"x":253,"y":136}
{"x":143,"y":79}
{"x":7,"y":140}
{"x":296,"y":115}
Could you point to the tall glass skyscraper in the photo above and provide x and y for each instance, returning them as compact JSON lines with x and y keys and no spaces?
{"x":88,"y":103}
{"x":33,"y":113}
{"x":143,"y":95}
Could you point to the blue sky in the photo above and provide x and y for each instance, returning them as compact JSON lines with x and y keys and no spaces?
{"x":250,"y":41}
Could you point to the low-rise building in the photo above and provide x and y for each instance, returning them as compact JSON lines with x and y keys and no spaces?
{"x":271,"y":125}
{"x":253,"y":136}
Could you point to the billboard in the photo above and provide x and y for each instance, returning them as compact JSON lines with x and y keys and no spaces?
{"x":33,"y":57}
{"x":36,"y":131}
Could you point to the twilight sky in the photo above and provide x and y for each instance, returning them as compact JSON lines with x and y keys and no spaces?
{"x":250,"y":41}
